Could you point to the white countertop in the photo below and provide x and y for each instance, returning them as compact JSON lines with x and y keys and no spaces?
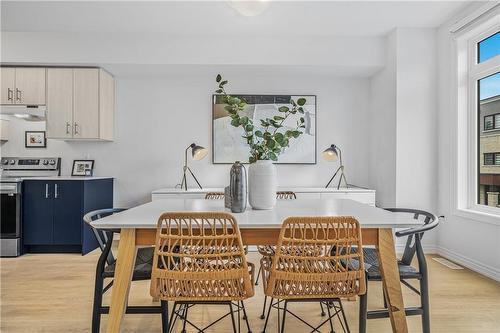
{"x":171,"y":190}
{"x":146,"y":215}
{"x":65,"y":178}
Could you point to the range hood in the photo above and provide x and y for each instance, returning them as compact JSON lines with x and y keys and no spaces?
{"x":27,"y":112}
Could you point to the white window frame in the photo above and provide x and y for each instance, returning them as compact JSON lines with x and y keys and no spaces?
{"x":469,"y":71}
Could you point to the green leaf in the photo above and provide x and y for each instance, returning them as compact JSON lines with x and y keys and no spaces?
{"x":258,"y":134}
{"x":249,"y":127}
{"x":273,"y":156}
{"x":288,"y":134}
{"x":302,"y":120}
{"x":270,"y":143}
{"x":285,"y":143}
{"x":267,"y":135}
{"x":244,"y":120}
{"x":218,"y":78}
{"x":223,"y":83}
{"x":279,"y":137}
{"x":264,"y":123}
{"x":235,"y":122}
{"x":301,"y":101}
{"x":283,"y":109}
{"x":293,"y":102}
{"x":252,"y":159}
{"x":301,"y":109}
{"x":219,"y":91}
{"x":278,"y":118}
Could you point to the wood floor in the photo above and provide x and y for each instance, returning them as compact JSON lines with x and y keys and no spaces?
{"x":53,"y":293}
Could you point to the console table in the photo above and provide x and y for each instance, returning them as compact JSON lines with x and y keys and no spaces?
{"x":359,"y":194}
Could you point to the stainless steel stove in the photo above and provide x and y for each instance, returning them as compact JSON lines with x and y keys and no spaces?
{"x":12,"y":172}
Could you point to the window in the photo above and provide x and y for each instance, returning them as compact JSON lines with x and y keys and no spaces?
{"x":488,"y":48}
{"x":484,"y":78}
{"x":489,"y":123}
{"x":491,"y":158}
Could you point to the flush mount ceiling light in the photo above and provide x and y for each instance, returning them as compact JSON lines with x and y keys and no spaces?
{"x":249,"y":7}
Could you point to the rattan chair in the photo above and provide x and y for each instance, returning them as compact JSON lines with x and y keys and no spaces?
{"x":199,"y":259}
{"x":305,"y":267}
{"x":267,"y":251}
{"x":105,"y":269}
{"x":214,"y":195}
{"x":406,"y":270}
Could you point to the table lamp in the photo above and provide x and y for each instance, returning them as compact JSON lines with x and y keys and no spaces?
{"x":198,"y":153}
{"x":331,"y":154}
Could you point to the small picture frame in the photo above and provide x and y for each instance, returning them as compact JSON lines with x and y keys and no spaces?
{"x":83,"y":168}
{"x":35,"y":139}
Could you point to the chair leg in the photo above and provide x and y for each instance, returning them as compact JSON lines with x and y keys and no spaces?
{"x":424,"y":299}
{"x":330,"y":319}
{"x":346,"y":327}
{"x":245,"y":317}
{"x":322,"y":310}
{"x":262,"y":316}
{"x":173,"y":318}
{"x":232,"y":317}
{"x":96,"y":311}
{"x":284,"y":315}
{"x":164,"y":316}
{"x":384,"y":297}
{"x":185,"y":315}
{"x":363,"y":311}
{"x":258,"y":275}
{"x":268,"y":313}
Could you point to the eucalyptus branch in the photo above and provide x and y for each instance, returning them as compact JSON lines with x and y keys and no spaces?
{"x":267,"y":144}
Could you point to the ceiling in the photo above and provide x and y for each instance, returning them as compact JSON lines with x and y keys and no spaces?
{"x":217,"y":18}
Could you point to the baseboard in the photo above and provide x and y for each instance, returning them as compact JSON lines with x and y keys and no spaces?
{"x":428,"y":249}
{"x":476,"y":266}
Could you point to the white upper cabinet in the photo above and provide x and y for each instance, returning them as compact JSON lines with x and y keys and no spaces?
{"x":60,"y":103}
{"x":80,"y":104}
{"x":23,"y":85}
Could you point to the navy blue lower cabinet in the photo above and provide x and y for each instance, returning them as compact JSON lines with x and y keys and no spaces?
{"x":38,"y":212}
{"x":68,"y":202}
{"x":53,"y":213}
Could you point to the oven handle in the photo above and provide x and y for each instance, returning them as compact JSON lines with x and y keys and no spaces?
{"x":46,"y":191}
{"x":8,"y":189}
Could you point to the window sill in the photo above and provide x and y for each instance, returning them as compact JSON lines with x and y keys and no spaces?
{"x":477,"y":215}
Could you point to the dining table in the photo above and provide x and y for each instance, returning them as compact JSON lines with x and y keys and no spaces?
{"x":258,"y":227}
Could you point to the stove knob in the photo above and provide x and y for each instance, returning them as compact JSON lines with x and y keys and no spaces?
{"x":5,"y":162}
{"x":52,"y":162}
{"x":12,"y":162}
{"x":45,"y":162}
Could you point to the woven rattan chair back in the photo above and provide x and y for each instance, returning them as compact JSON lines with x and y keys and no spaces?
{"x":305,"y":266}
{"x":214,"y":195}
{"x":199,"y":256}
{"x":286,"y":195}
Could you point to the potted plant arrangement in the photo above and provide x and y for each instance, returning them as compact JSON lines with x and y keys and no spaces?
{"x":266,"y":140}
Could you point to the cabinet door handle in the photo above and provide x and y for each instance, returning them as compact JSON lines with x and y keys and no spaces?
{"x":68,"y":127}
{"x":46,"y":191}
{"x":10,"y":94}
{"x":56,"y":192}
{"x":18,"y":95}
{"x":76,"y":129}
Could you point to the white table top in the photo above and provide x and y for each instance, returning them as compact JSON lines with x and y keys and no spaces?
{"x":146,"y":215}
{"x":351,"y":189}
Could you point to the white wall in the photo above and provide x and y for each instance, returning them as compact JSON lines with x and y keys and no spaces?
{"x":157,"y":117}
{"x":473,"y":242}
{"x":403,"y":118}
{"x":383,"y":128}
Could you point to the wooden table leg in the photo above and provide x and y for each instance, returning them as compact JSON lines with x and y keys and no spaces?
{"x":123,"y":276}
{"x":390,"y":280}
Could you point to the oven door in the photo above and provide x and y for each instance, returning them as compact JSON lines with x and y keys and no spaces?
{"x":10,"y":223}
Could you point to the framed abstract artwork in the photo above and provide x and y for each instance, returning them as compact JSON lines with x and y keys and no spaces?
{"x":229,"y":146}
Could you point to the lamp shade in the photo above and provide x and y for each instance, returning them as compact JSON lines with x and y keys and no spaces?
{"x":331,"y":153}
{"x":199,"y":152}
